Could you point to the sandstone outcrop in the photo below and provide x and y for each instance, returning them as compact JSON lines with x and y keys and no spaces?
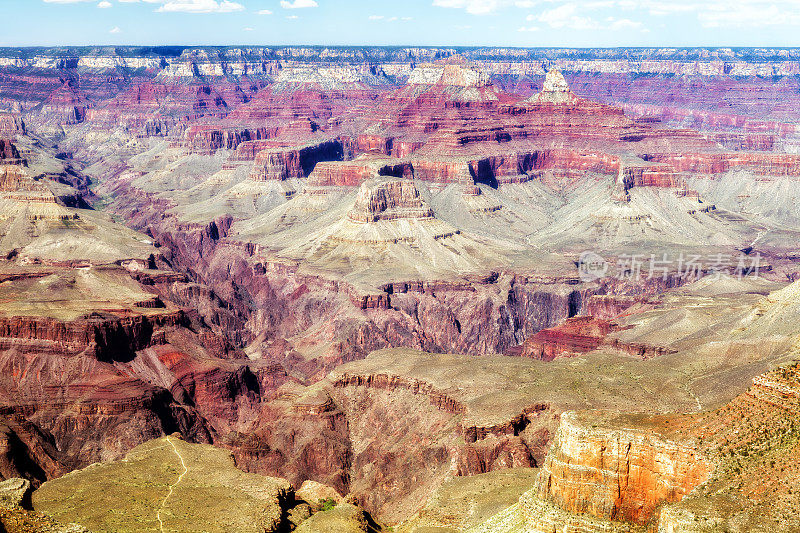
{"x":616,"y":474}
{"x":754,"y":440}
{"x":15,"y":493}
{"x":389,"y":200}
{"x":580,"y":335}
{"x":728,"y":468}
{"x":554,"y":91}
{"x":316,"y":494}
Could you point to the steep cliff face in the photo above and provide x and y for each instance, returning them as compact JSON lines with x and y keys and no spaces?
{"x":760,"y":163}
{"x":343,"y":173}
{"x":294,"y":161}
{"x":209,"y":139}
{"x":8,"y":152}
{"x":107,"y":338}
{"x":11,"y":125}
{"x":616,"y":474}
{"x":730,"y":469}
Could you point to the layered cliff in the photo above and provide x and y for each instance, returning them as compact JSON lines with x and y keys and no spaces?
{"x":616,"y":474}
{"x":292,"y":162}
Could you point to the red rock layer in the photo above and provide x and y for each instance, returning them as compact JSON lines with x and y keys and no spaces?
{"x":575,"y":336}
{"x":341,"y":173}
{"x":161,"y":108}
{"x":713,"y":102}
{"x":760,"y":163}
{"x":8,"y":152}
{"x":581,"y":335}
{"x":66,"y":105}
{"x":748,"y":142}
{"x":108,"y":336}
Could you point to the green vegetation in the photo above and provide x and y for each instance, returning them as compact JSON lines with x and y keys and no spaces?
{"x":327,"y":504}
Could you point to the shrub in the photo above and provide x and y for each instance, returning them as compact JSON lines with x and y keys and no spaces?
{"x":327,"y":504}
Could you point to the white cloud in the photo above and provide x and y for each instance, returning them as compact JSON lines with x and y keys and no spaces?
{"x":104,"y":4}
{"x":730,"y":13}
{"x":200,"y":6}
{"x":115,"y":29}
{"x":292,"y":17}
{"x":265,"y":12}
{"x":476,"y":7}
{"x":483,"y":7}
{"x":528,"y":28}
{"x":747,"y":17}
{"x":298,"y":4}
{"x":248,"y":29}
{"x":624,"y":24}
{"x":577,"y":16}
{"x":565,"y":16}
{"x":389,"y":19}
{"x":582,"y":14}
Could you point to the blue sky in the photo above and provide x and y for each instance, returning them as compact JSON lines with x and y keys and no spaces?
{"x":580,"y":23}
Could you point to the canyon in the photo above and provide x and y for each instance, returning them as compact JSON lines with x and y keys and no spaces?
{"x":363,"y":272}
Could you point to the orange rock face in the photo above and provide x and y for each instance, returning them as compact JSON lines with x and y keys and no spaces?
{"x":617,"y":474}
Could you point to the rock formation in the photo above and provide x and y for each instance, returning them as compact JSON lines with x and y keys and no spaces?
{"x":615,"y":474}
{"x":554,"y":91}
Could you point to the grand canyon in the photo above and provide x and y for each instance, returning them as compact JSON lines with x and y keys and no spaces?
{"x":410,"y":289}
